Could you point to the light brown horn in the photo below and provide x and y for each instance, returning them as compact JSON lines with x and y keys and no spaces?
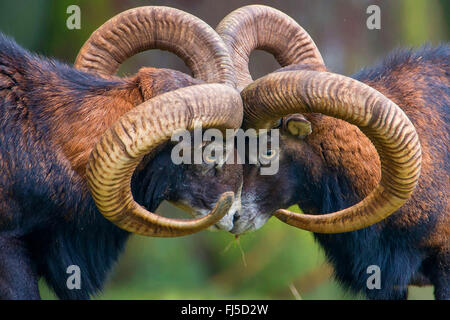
{"x":152,"y":27}
{"x":139,"y":132}
{"x":260,"y":27}
{"x":384,"y":123}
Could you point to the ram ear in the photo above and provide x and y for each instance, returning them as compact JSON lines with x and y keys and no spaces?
{"x":297,"y":125}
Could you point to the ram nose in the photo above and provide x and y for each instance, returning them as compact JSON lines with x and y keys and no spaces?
{"x":228,"y":221}
{"x":247,"y":221}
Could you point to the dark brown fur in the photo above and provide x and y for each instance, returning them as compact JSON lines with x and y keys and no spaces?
{"x":51,"y":116}
{"x":337,"y":166}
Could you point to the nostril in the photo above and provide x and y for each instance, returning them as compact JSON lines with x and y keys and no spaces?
{"x":236,"y":217}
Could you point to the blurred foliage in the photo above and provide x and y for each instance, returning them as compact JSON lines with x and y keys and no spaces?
{"x":278,"y":258}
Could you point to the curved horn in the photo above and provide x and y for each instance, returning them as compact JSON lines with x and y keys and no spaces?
{"x":139,"y":132}
{"x":261,"y":27}
{"x":384,"y":123}
{"x":152,"y":27}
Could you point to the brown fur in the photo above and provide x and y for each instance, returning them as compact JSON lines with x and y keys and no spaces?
{"x":51,"y":116}
{"x":76,"y":132}
{"x":336,"y":166}
{"x":346,"y":147}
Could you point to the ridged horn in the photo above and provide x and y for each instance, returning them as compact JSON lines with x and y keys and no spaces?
{"x":153,"y":27}
{"x":260,"y":27}
{"x":381,"y":120}
{"x":137,"y":133}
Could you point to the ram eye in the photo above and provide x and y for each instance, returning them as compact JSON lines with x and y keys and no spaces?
{"x":268,"y":155}
{"x":211,"y":159}
{"x":278,"y":124}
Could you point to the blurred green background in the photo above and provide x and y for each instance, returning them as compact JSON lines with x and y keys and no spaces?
{"x":278,"y":261}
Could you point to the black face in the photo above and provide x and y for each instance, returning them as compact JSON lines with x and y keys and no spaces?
{"x":193,"y":187}
{"x":262,"y":195}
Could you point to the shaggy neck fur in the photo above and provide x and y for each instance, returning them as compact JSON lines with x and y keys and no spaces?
{"x":51,"y":117}
{"x":341,"y":170}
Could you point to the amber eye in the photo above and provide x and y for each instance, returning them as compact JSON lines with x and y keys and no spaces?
{"x":211,"y":158}
{"x":268,"y":155}
{"x":278,"y":124}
